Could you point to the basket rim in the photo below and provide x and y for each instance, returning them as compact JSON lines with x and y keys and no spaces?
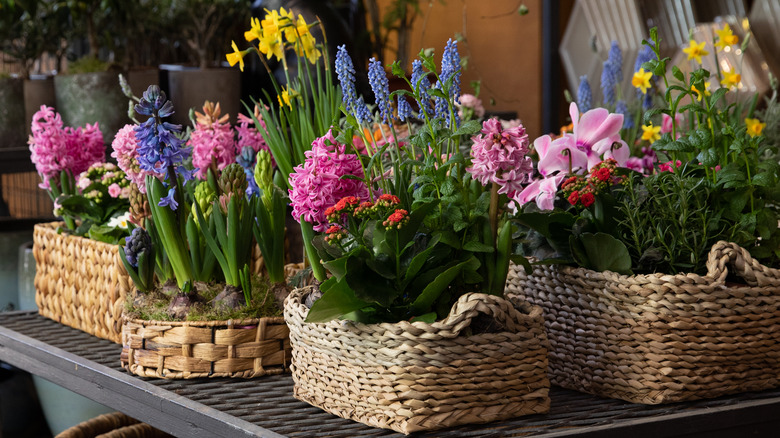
{"x":690,"y":278}
{"x":297,"y":308}
{"x":207,"y":323}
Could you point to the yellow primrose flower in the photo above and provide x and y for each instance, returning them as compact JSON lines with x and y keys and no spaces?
{"x":237,"y":56}
{"x":255,"y":32}
{"x":726,"y":38}
{"x":754,"y":127}
{"x":731,"y":79}
{"x":641,"y":80}
{"x":696,"y":51}
{"x":651,"y":133}
{"x":698,"y":93}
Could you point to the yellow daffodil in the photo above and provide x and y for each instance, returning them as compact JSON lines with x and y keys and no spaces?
{"x":698,"y":93}
{"x":272,"y":24}
{"x":726,"y":38}
{"x":296,"y":30}
{"x":271,"y":44}
{"x":651,"y":133}
{"x":284,"y":97}
{"x":641,"y":80}
{"x":731,"y":79}
{"x":754,"y":127}
{"x":255,"y":32}
{"x":696,"y":51}
{"x":237,"y":56}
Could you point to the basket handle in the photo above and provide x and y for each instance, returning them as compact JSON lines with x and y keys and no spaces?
{"x":728,"y":254}
{"x":502,"y":310}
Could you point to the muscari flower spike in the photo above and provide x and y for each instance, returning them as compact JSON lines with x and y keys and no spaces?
{"x":421,"y":86}
{"x":404,"y":109}
{"x":377,"y":78}
{"x":345,"y":71}
{"x":584,"y":95}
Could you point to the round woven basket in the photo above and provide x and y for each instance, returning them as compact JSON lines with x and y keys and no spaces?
{"x":418,"y":376}
{"x":79,"y":282}
{"x":113,"y":425}
{"x":660,"y":338}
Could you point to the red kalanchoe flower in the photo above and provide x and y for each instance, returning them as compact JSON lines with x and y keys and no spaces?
{"x":568,"y":181}
{"x":399,"y":218}
{"x":335,"y":233}
{"x":574,"y":197}
{"x":603,"y":174}
{"x":587,"y":199}
{"x":389,"y":198}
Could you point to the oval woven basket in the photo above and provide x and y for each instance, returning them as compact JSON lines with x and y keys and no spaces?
{"x":195,"y":349}
{"x":417,"y":376}
{"x":660,"y":338}
{"x":79,"y":282}
{"x":113,"y":425}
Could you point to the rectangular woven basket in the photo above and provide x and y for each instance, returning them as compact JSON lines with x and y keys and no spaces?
{"x":660,"y":338}
{"x":79,"y":282}
{"x":417,"y":376}
{"x":195,"y":349}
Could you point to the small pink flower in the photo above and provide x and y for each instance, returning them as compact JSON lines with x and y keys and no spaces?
{"x":669,"y":166}
{"x":124,"y":151}
{"x":212,"y":142}
{"x":114,"y":190}
{"x":472,"y":102}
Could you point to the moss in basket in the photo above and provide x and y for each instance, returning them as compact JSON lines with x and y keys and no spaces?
{"x":156,"y":304}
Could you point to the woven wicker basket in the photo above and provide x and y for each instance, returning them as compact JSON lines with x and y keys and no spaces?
{"x":79,"y":282}
{"x":660,"y":338}
{"x":194,"y":349}
{"x":416,"y":376}
{"x":113,"y":425}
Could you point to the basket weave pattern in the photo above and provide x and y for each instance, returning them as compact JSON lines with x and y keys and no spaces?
{"x":418,"y":376}
{"x":660,"y":338}
{"x":194,"y":349}
{"x":79,"y":282}
{"x":113,"y":425}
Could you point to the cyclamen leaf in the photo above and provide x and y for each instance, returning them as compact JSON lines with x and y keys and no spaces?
{"x":337,"y":300}
{"x":606,"y":253}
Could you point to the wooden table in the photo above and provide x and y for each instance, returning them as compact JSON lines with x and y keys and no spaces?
{"x":265,"y":406}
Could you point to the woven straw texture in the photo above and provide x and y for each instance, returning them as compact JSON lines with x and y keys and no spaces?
{"x":194,"y":349}
{"x":660,"y":338}
{"x":79,"y":282}
{"x":416,"y":376}
{"x":113,"y":425}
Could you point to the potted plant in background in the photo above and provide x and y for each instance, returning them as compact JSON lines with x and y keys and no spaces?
{"x":665,"y":276}
{"x":89,"y":91}
{"x":203,"y":28}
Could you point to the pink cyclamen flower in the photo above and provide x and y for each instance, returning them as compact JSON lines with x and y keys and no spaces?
{"x":317,"y":183}
{"x":114,"y":190}
{"x":542,"y":191}
{"x":666,"y":124}
{"x":595,"y":137}
{"x":635,"y":163}
{"x":212,"y":142}
{"x":55,"y":148}
{"x":499,"y":156}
